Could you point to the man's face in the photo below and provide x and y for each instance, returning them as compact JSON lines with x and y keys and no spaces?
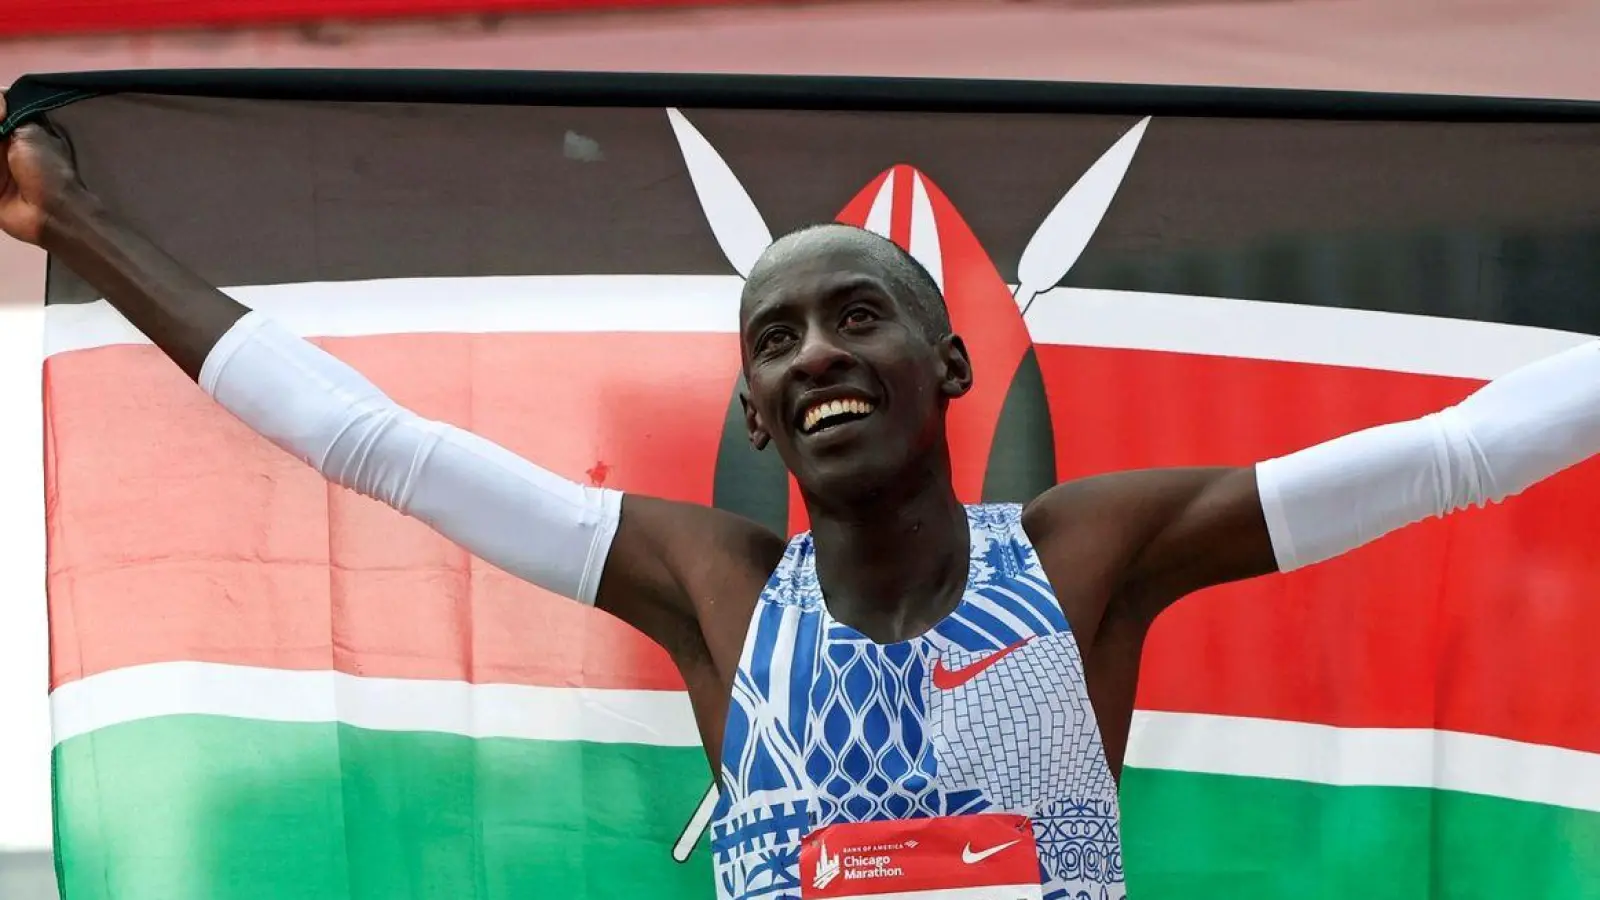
{"x":842,"y":377}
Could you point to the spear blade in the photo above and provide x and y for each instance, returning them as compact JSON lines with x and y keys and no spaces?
{"x":1066,"y":231}
{"x":740,"y":231}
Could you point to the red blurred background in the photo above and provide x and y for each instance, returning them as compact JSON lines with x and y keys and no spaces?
{"x":44,"y":17}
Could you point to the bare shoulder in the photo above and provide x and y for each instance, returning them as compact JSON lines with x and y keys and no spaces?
{"x":1083,"y":547}
{"x":685,"y":572}
{"x":1127,"y":509}
{"x":1152,"y":536}
{"x":1100,"y":510}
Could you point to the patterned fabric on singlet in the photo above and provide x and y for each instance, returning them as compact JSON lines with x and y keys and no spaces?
{"x":826,"y":725}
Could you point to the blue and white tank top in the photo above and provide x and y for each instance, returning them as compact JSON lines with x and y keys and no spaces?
{"x":826,"y":726}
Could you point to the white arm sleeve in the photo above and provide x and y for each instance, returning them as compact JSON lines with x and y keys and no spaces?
{"x":500,"y":507}
{"x":1513,"y":432}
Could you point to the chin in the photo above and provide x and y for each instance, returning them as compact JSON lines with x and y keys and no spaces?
{"x":846,"y":481}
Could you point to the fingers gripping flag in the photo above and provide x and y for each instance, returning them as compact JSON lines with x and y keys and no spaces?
{"x":265,"y":686}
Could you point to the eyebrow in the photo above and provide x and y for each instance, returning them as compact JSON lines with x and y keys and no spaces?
{"x":848,"y":285}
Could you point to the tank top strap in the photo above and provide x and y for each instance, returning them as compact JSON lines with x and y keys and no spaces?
{"x":1005,"y":578}
{"x":793,"y":581}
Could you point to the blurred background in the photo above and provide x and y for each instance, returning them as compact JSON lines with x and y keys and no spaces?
{"x":1528,"y":48}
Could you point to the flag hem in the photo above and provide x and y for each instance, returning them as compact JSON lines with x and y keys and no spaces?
{"x":787,"y":92}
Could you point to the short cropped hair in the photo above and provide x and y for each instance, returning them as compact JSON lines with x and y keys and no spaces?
{"x":926,"y":301}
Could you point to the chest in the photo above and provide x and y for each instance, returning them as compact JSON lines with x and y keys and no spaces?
{"x":986,"y":714}
{"x":980,"y":711}
{"x":932,"y":727}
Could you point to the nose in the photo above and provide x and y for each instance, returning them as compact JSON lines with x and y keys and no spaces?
{"x":818,"y":355}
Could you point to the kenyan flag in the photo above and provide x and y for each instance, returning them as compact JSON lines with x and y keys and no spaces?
{"x":267,"y":687}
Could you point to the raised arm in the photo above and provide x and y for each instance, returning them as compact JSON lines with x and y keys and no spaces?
{"x":42,"y":202}
{"x":647,"y":567}
{"x":1171,"y":532}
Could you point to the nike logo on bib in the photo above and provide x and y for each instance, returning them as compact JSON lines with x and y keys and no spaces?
{"x":970,"y":858}
{"x":949,"y":679}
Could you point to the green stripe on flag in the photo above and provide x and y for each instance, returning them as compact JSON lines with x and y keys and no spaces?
{"x":1219,"y":837}
{"x":227,"y":809}
{"x":215,"y":808}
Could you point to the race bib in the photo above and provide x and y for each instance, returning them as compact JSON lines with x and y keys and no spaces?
{"x":983,"y":857}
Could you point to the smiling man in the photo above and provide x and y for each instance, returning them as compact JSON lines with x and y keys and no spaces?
{"x":916,"y":694}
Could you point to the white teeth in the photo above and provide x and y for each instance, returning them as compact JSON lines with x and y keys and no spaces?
{"x":816,"y":414}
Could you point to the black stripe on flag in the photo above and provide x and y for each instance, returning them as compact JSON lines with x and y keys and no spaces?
{"x":1470,"y":209}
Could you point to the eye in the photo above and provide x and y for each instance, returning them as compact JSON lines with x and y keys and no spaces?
{"x":857,"y":316}
{"x":773,"y":340}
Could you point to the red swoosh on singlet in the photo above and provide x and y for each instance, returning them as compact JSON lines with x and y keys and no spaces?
{"x":949,"y":679}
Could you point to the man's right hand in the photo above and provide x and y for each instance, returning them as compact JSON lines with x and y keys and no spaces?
{"x":36,"y":180}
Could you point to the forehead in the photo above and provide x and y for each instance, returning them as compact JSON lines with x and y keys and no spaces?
{"x":813,"y":272}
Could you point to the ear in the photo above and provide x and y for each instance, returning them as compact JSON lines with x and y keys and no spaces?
{"x":752,"y":420}
{"x":957,"y":378}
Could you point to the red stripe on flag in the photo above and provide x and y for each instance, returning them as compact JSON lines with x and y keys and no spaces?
{"x":1481,"y":622}
{"x":175,"y":534}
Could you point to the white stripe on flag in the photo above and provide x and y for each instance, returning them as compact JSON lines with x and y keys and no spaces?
{"x":647,"y":303}
{"x":659,"y":718}
{"x":1185,"y":742}
{"x":1374,"y":757}
{"x":709,"y":304}
{"x":1251,"y":329}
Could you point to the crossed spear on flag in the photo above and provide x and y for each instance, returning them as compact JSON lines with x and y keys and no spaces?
{"x":742,"y":234}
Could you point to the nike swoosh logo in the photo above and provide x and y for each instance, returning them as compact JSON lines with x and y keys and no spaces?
{"x":968,"y":857}
{"x":949,"y":679}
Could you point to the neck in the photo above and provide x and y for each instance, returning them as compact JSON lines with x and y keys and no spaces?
{"x":892,"y":567}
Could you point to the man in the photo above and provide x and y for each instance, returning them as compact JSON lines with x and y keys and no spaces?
{"x":966,"y":673}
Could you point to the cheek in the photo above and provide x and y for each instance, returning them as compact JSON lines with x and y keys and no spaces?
{"x":917,"y":383}
{"x":768,"y":416}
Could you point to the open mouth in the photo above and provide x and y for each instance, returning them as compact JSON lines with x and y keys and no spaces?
{"x":833,"y":413}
